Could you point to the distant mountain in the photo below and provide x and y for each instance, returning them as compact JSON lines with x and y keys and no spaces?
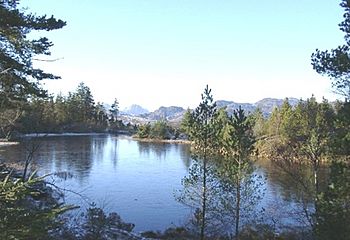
{"x":230,"y":106}
{"x":267,"y":105}
{"x":134,"y":110}
{"x":223,"y":103}
{"x":166,"y":113}
{"x":138,"y":115}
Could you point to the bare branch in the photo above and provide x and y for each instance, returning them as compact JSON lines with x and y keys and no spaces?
{"x":84,"y":198}
{"x":47,"y":60}
{"x":5,"y":71}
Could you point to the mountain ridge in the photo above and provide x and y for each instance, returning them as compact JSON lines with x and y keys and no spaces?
{"x":174,"y":114}
{"x":134,"y":110}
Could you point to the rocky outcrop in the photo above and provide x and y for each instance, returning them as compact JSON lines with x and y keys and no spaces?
{"x":134,"y":110}
{"x":119,"y":234}
{"x":165,"y":113}
{"x":267,"y":105}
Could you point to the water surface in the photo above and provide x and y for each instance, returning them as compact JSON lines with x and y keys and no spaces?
{"x":135,"y":179}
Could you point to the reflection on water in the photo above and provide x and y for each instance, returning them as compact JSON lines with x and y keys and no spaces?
{"x":161,"y":150}
{"x":135,"y":179}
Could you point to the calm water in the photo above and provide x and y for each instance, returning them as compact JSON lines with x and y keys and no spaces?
{"x":135,"y":179}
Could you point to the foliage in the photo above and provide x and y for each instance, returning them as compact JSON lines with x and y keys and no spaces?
{"x":158,"y":130}
{"x":335,"y":63}
{"x":308,"y":128}
{"x":220,"y":183}
{"x":114,"y":110}
{"x":306,"y":137}
{"x":187,"y":122}
{"x":198,"y":185}
{"x":18,"y":78}
{"x":258,"y":122}
{"x":202,"y":130}
{"x":97,"y":223}
{"x":114,"y":124}
{"x":144,"y":131}
{"x":333,"y":219}
{"x":192,"y":195}
{"x":203,"y":135}
{"x":240,"y":192}
{"x":238,"y":140}
{"x":302,"y":139}
{"x":76,"y":112}
{"x":21,"y":214}
{"x":8,"y":121}
{"x":171,"y":234}
{"x":340,"y":145}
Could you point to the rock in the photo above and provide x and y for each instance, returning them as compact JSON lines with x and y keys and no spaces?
{"x":116,"y":233}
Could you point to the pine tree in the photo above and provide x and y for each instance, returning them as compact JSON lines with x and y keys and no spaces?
{"x":18,"y":78}
{"x":238,"y":143}
{"x":201,"y":130}
{"x":335,"y":63}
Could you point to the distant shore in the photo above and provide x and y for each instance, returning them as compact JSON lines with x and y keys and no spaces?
{"x":156,"y":140}
{"x":7,"y":143}
{"x":4,"y":142}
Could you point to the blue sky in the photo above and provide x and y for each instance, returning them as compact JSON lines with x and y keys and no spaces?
{"x":164,"y":52}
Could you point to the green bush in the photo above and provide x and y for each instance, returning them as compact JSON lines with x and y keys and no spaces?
{"x":27,"y":209}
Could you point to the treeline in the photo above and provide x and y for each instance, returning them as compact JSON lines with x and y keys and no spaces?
{"x":76,"y":112}
{"x":323,"y":128}
{"x":320,"y":130}
{"x":300,"y":141}
{"x":158,"y":130}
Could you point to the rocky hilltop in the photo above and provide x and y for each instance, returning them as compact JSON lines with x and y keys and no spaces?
{"x":266,"y":105}
{"x":167,"y":113}
{"x":134,"y":110}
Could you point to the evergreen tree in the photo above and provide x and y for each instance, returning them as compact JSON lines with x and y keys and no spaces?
{"x":160,"y":130}
{"x":203,"y":137}
{"x":335,"y":63}
{"x":236,"y":167}
{"x":202,"y":133}
{"x":187,"y":122}
{"x":85,"y":103}
{"x":333,"y":219}
{"x":18,"y":78}
{"x":114,"y":110}
{"x":340,"y":146}
{"x":307,"y":134}
{"x":61,"y":111}
{"x":144,"y":130}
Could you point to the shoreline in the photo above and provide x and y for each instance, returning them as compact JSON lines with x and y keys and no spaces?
{"x":155,"y":140}
{"x":7,"y":143}
{"x":4,"y":143}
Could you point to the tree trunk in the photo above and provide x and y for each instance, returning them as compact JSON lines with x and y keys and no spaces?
{"x":316,"y":186}
{"x":238,"y":199}
{"x":204,"y":194}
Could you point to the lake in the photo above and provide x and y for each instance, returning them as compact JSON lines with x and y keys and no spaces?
{"x":136,"y":179}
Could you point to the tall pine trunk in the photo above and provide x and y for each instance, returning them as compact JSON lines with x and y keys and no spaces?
{"x":238,"y":198}
{"x":204,"y":197}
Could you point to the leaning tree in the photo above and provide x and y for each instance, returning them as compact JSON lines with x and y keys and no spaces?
{"x":19,"y":79}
